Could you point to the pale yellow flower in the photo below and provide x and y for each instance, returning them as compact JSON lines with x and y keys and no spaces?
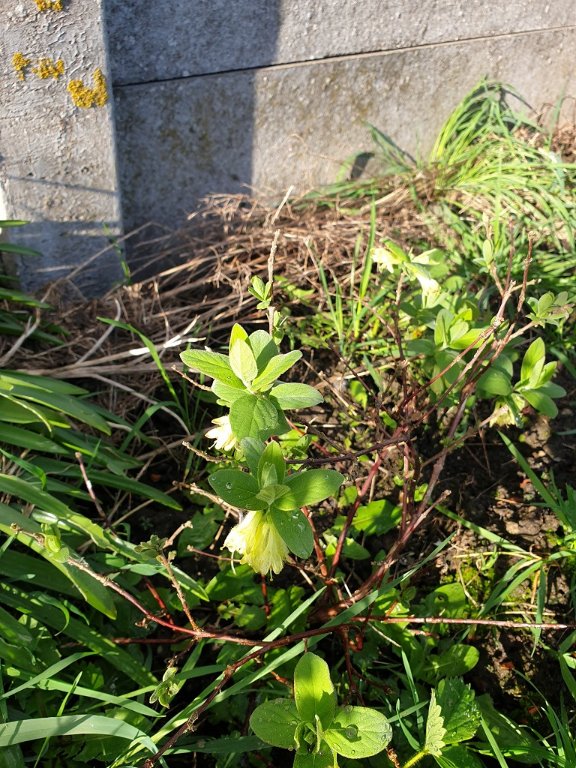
{"x":259,"y":543}
{"x":224,"y":439}
{"x":430,"y":287}
{"x":385,"y":258}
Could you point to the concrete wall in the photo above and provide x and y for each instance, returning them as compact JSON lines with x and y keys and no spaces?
{"x":58,"y":160}
{"x":220,"y":95}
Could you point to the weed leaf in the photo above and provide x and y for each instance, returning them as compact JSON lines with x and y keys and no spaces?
{"x":435,"y":730}
{"x":459,"y":710}
{"x":358,"y":732}
{"x":275,"y":722}
{"x":313,"y":690}
{"x":458,"y":757}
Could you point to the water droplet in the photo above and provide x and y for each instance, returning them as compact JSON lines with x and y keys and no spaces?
{"x":228,"y":486}
{"x":351,"y":731}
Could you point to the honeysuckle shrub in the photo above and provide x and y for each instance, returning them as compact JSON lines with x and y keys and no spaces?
{"x":247,"y":382}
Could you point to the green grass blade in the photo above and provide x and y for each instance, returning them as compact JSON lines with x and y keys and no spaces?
{"x":20,"y":731}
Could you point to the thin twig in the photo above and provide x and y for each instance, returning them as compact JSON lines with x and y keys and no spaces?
{"x":89,"y":486}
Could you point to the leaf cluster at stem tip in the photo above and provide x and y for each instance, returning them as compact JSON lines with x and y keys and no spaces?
{"x":246,"y":381}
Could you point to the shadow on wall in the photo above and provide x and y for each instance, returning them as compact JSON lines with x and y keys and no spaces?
{"x":185,"y":100}
{"x":96,"y":252}
{"x":93,"y":247}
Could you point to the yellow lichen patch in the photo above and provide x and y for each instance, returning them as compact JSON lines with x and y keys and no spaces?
{"x":49,"y":5}
{"x":49,"y":68}
{"x":20,"y":62}
{"x":85,"y":97}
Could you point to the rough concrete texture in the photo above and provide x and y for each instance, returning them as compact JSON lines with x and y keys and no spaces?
{"x":58,"y":166}
{"x":157,"y":40}
{"x":217,"y":96}
{"x":294,"y":125}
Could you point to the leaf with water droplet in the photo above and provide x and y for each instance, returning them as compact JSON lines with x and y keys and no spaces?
{"x":237,"y":488}
{"x":275,"y":722}
{"x":435,"y":730}
{"x":358,"y":732}
{"x":459,"y":709}
{"x":325,"y":758}
{"x":294,"y":529}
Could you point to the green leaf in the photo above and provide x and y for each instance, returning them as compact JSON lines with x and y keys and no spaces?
{"x":323,"y":759}
{"x":12,"y":523}
{"x":377,"y":517}
{"x":351,"y":549}
{"x":237,"y":488}
{"x":237,"y":334}
{"x":212,"y":364}
{"x":21,"y":250}
{"x":294,"y":529}
{"x":457,"y":660}
{"x":313,"y":690}
{"x":26,"y":491}
{"x":275,"y":722}
{"x":252,"y":448}
{"x":310,"y":487}
{"x":290,"y":396}
{"x":459,"y":710}
{"x":13,"y":631}
{"x":18,"y":731}
{"x":449,"y":600}
{"x":252,"y":416}
{"x":17,"y":656}
{"x":263,"y":347}
{"x":495,"y":382}
{"x":129,"y":485}
{"x":512,"y":739}
{"x":435,"y":730}
{"x":272,"y":465}
{"x":243,"y":362}
{"x":70,"y":406}
{"x":540,"y":402}
{"x":458,"y":757}
{"x":358,"y":732}
{"x":271,"y":492}
{"x":41,"y":383}
{"x":27,"y":438}
{"x":473,"y":337}
{"x":12,"y":757}
{"x":275,"y":367}
{"x":20,"y":412}
{"x":54,"y":615}
{"x":227,"y":393}
{"x":533,"y":361}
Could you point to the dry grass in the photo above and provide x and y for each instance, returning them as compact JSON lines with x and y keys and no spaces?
{"x":199,"y":298}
